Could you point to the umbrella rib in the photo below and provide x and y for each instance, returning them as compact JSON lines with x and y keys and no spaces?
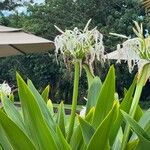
{"x":17,"y":49}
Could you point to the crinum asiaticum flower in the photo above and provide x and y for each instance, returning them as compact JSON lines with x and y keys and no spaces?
{"x":78,"y":45}
{"x":136,"y":51}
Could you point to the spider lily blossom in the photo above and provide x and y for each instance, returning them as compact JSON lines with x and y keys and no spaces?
{"x":136,"y":51}
{"x":80,"y":45}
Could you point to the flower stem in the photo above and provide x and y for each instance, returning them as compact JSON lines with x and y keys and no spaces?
{"x":140,"y":83}
{"x":74,"y":100}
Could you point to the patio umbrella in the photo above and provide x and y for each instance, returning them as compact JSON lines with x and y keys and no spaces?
{"x":117,"y":55}
{"x":16,"y":42}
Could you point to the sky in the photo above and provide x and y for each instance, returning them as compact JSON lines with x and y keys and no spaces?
{"x":21,"y":9}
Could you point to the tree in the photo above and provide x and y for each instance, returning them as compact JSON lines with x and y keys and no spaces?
{"x":108,"y":16}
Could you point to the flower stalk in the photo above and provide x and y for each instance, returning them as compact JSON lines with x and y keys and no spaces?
{"x":140,"y":84}
{"x":74,"y":99}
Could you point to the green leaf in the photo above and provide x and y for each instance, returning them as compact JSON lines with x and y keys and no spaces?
{"x":34,"y":121}
{"x":45,"y":93}
{"x":14,"y":134}
{"x":43,"y":108}
{"x":5,"y":144}
{"x":87,"y":130}
{"x":89,"y":116}
{"x":118,"y":140}
{"x":77,"y":142}
{"x":61,"y":118}
{"x":12,"y":111}
{"x":144,"y":122}
{"x":143,"y":136}
{"x":106,"y":98}
{"x":100,"y":139}
{"x":132,"y":145}
{"x":143,"y":144}
{"x":93,"y":93}
{"x":138,"y":113}
{"x":50,"y":107}
{"x":125,"y":105}
{"x":64,"y":144}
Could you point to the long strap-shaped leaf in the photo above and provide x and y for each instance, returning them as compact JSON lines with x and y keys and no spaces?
{"x":14,"y":134}
{"x":61,"y":118}
{"x":106,"y":98}
{"x":100,"y":139}
{"x":39,"y":100}
{"x":87,"y":130}
{"x":45,"y":93}
{"x":144,"y":138}
{"x":125,"y":105}
{"x":93,"y":93}
{"x":46,"y":113}
{"x":12,"y":111}
{"x":33,"y":118}
{"x":77,"y":142}
{"x":4,"y":142}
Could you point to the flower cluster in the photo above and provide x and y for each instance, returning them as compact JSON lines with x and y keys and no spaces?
{"x":78,"y":45}
{"x":136,"y":51}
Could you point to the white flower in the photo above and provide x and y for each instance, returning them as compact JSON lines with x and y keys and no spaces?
{"x":80,"y":45}
{"x":136,"y":51}
{"x":83,"y":111}
{"x":5,"y":88}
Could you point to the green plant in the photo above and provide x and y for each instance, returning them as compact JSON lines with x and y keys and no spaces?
{"x":36,"y":126}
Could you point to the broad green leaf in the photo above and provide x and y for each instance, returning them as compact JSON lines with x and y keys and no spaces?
{"x":89,"y":116}
{"x":61,"y":118}
{"x":87,"y":130}
{"x":34,"y":121}
{"x":144,"y":122}
{"x":125,"y":105}
{"x":145,"y":119}
{"x":45,"y":112}
{"x":118,"y":140}
{"x":132,"y":145}
{"x":45,"y":93}
{"x":93,"y":93}
{"x":144,"y":138}
{"x":143,"y":144}
{"x":100,"y":139}
{"x":138,"y":113}
{"x":12,"y":111}
{"x":14,"y":134}
{"x":3,"y":140}
{"x":136,"y":127}
{"x":89,"y":75}
{"x":64,"y":144}
{"x":77,"y":142}
{"x":106,"y":98}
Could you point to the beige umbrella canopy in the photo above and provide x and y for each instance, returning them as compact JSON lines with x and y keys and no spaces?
{"x":16,"y":42}
{"x":117,"y":55}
